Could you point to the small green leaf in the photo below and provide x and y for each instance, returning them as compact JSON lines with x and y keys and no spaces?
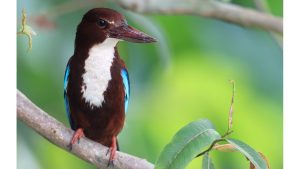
{"x":250,"y":153}
{"x":207,"y":163}
{"x":186,"y":144}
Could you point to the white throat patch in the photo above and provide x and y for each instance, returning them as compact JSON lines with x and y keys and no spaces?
{"x":97,"y":71}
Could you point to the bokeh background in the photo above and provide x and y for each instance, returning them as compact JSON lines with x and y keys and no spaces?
{"x":182,"y":78}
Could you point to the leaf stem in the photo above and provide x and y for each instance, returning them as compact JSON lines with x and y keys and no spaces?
{"x":210,"y":147}
{"x":228,"y":132}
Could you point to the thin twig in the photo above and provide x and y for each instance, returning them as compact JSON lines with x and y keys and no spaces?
{"x":210,"y":147}
{"x":230,"y":116}
{"x":229,"y":131}
{"x":58,"y":134}
{"x":26,"y":29}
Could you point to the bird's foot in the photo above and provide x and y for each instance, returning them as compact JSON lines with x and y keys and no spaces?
{"x":112,"y":150}
{"x":76,"y":137}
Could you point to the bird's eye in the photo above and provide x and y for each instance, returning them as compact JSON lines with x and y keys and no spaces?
{"x":102,"y":23}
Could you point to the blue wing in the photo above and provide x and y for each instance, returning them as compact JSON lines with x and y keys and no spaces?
{"x":126,"y":84}
{"x":66,"y":80}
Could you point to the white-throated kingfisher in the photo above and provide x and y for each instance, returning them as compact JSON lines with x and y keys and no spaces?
{"x":96,"y":82}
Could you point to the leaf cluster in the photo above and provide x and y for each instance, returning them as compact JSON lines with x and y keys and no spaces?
{"x":192,"y":141}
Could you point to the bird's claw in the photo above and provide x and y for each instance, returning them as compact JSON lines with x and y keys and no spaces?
{"x":69,"y":146}
{"x":111,"y":163}
{"x":107,"y":152}
{"x":76,"y":138}
{"x":112,"y":151}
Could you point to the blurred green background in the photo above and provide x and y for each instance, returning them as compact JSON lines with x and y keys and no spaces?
{"x":181,"y":78}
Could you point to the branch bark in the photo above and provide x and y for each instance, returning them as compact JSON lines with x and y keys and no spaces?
{"x":58,"y":134}
{"x":208,"y":8}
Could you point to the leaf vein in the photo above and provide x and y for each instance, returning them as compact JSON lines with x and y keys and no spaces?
{"x":192,"y":138}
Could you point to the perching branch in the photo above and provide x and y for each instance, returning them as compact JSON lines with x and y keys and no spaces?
{"x":208,"y":8}
{"x":58,"y":134}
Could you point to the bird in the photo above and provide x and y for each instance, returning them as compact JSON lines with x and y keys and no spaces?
{"x":96,"y":80}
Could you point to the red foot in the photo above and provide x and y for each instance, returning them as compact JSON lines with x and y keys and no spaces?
{"x":112,"y":150}
{"x":76,"y":137}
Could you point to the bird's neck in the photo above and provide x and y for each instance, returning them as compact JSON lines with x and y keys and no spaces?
{"x":97,"y":71}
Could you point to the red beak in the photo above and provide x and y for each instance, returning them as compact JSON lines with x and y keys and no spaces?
{"x":128,"y":33}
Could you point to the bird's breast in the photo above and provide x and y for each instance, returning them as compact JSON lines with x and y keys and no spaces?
{"x":97,"y":74}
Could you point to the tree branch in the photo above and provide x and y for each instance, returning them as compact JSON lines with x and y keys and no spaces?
{"x":58,"y":134}
{"x":262,"y":5}
{"x":215,"y":9}
{"x":207,"y":8}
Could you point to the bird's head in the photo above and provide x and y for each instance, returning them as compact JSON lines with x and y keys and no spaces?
{"x":99,"y":24}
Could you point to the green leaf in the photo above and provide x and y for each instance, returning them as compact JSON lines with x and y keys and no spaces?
{"x":186,"y":144}
{"x":207,"y":163}
{"x":250,"y":153}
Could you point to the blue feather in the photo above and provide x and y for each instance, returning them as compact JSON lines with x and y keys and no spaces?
{"x":66,"y":80}
{"x":126,"y":84}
